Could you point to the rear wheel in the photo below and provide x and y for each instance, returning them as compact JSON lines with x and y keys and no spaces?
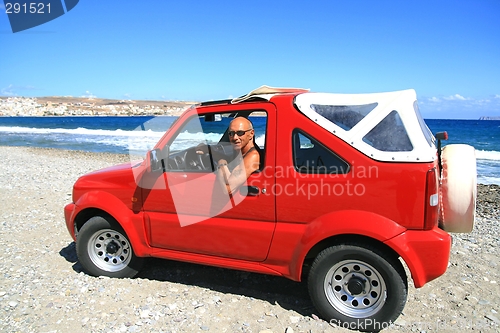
{"x":104,"y":249}
{"x":358,"y":287}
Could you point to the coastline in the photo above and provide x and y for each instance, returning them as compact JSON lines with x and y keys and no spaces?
{"x":73,"y":106}
{"x":43,"y":288}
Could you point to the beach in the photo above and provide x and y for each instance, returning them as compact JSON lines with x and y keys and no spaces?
{"x":43,"y":287}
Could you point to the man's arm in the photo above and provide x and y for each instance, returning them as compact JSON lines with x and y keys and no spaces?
{"x":232,"y":181}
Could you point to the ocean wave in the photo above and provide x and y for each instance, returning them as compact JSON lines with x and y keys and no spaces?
{"x":488,"y":180}
{"x":79,"y":131}
{"x":260,"y":140}
{"x":491,"y":155}
{"x":137,"y":139}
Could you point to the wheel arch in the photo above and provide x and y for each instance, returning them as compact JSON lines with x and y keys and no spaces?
{"x":106,"y":205}
{"x":86,"y":214}
{"x":352,"y":239}
{"x":344,"y":226}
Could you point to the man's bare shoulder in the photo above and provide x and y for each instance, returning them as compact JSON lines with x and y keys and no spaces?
{"x":252,"y":161}
{"x":252,"y":156}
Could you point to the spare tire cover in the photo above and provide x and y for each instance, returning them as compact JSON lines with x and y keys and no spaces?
{"x":457,"y":199}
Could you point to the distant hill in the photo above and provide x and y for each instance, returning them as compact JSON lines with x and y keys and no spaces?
{"x":82,"y":106}
{"x":489,"y":118}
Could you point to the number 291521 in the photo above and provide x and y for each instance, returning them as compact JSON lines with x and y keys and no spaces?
{"x":25,"y":8}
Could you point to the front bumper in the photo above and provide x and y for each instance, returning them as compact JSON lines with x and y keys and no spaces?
{"x":426,"y":253}
{"x":69,"y":216}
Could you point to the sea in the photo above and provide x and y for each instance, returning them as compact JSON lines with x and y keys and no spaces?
{"x":137,"y":134}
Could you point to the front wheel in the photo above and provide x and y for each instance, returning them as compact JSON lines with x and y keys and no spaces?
{"x":358,"y":287}
{"x":103,"y":249}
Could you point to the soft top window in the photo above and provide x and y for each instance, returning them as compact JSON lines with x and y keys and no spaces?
{"x":427,"y":132}
{"x":389,"y":135}
{"x":344,"y":116}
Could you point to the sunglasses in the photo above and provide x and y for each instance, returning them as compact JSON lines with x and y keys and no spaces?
{"x":240,"y":133}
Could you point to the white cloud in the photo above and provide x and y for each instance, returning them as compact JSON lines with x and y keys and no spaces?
{"x":88,"y":95}
{"x":11,"y":90}
{"x":8,"y":91}
{"x":456,"y":97}
{"x":460,"y":107}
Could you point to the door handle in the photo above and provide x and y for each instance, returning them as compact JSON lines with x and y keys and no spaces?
{"x":251,"y":191}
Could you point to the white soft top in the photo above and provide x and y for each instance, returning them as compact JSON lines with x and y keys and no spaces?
{"x":384,"y":126}
{"x":266,"y":92}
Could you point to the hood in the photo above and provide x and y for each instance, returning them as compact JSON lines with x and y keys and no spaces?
{"x":118,"y":180}
{"x":111,"y":169}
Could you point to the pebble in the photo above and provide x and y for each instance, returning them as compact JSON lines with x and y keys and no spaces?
{"x":493,"y":319}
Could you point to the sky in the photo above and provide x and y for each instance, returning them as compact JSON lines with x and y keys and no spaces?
{"x":448,"y":51}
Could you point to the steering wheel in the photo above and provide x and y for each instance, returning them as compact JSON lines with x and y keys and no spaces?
{"x":206,"y":157}
{"x":220,"y":151}
{"x":207,"y":161}
{"x":193,"y":160}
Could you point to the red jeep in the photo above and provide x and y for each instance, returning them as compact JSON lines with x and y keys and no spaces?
{"x":347,"y":185}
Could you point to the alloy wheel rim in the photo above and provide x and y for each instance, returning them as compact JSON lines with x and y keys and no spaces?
{"x":355,"y":288}
{"x":109,"y":250}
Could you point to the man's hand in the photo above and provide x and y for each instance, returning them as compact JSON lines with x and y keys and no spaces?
{"x":202,"y":149}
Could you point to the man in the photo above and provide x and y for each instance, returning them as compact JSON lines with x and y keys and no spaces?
{"x":232,"y":176}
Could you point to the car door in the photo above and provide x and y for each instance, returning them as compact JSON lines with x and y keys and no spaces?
{"x":185,"y":208}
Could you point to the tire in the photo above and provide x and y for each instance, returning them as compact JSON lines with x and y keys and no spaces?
{"x":104,"y":249}
{"x":357,"y":287}
{"x":458,"y":192}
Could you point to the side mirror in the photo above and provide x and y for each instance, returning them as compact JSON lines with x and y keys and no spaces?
{"x":155,"y":161}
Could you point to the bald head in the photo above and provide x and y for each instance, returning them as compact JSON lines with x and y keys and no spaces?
{"x":241,"y":134}
{"x":241,"y":123}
